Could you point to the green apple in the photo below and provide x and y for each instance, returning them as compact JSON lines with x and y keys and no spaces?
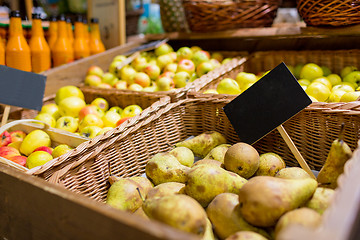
{"x":334,"y":79}
{"x":46,"y":118}
{"x":33,"y":140}
{"x":181,"y":79}
{"x":336,"y":95}
{"x":119,"y":58}
{"x":104,"y":130}
{"x":131,"y":111}
{"x":92,"y":80}
{"x":291,"y":68}
{"x":142,"y":79}
{"x":127,"y":74}
{"x":326,"y":70}
{"x":211,"y":91}
{"x":353,"y":77}
{"x":116,"y":109}
{"x":346,"y":86}
{"x":346,"y":70}
{"x":100,"y":103}
{"x":149,"y":89}
{"x":304,"y":82}
{"x":193,"y":77}
{"x":60,"y":150}
{"x":218,"y":56}
{"x":164,"y":83}
{"x":110,"y":119}
{"x":199,"y":57}
{"x":163,"y":60}
{"x":121,"y":84}
{"x":226,"y":60}
{"x":91,"y":120}
{"x":38,"y":158}
{"x":350,"y":96}
{"x":171,"y":67}
{"x":67,"y":123}
{"x":318,"y":91}
{"x":184,"y":53}
{"x":246,"y":86}
{"x":135,"y":87}
{"x":311,"y":71}
{"x":139,"y":63}
{"x":113,"y":68}
{"x":71,"y":106}
{"x":215,"y":63}
{"x":195,"y":49}
{"x":243,"y":78}
{"x":203,"y":68}
{"x":104,"y":85}
{"x":297,"y":70}
{"x":228,"y":86}
{"x":323,"y":80}
{"x":95,"y":70}
{"x":163,"y":49}
{"x":109,"y":78}
{"x":90,"y":131}
{"x":52,"y":109}
{"x":68,"y":91}
{"x":153,"y":71}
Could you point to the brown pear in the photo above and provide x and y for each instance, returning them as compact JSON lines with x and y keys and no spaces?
{"x":165,"y":189}
{"x":292,"y":173}
{"x":144,"y":183}
{"x":209,"y":234}
{"x":246,"y":235}
{"x":207,"y":161}
{"x":321,"y":199}
{"x":218,"y":153}
{"x":184,"y":155}
{"x":270,"y":164}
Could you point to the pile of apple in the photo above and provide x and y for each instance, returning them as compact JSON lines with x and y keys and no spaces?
{"x":29,"y":150}
{"x":318,"y":82}
{"x":160,"y":70}
{"x":71,"y":113}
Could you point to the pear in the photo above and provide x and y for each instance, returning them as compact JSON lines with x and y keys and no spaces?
{"x":207,"y":161}
{"x":292,"y":173}
{"x":338,"y":155}
{"x":144,"y":183}
{"x":246,"y":235}
{"x":123,"y":195}
{"x":302,"y":216}
{"x":140,"y":212}
{"x":202,"y":144}
{"x":243,"y":159}
{"x":321,"y":199}
{"x":209,"y":234}
{"x":264,"y":199}
{"x":184,"y":155}
{"x":223,"y":212}
{"x":270,"y":164}
{"x":206,"y":181}
{"x":218,"y":153}
{"x":179,"y":211}
{"x":164,"y":167}
{"x":165,"y":189}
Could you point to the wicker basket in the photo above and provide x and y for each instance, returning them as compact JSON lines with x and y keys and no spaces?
{"x":219,"y":15}
{"x":329,"y":12}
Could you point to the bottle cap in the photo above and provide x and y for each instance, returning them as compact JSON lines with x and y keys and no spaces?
{"x":85,"y":21}
{"x":15,"y":13}
{"x":68,"y":20}
{"x":94,"y":20}
{"x":53,"y":19}
{"x":62,"y":17}
{"x":79,"y":18}
{"x":36,"y":16}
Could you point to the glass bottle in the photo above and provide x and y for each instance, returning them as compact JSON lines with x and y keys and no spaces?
{"x":96,"y":45}
{"x":53,"y":31}
{"x":62,"y":52}
{"x":81,"y":48}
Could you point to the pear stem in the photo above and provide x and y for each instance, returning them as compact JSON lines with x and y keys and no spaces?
{"x":142,"y":198}
{"x":342,"y":132}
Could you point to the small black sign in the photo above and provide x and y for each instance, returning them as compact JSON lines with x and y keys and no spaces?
{"x":267,"y":104}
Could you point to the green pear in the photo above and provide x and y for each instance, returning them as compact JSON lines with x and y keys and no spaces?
{"x":179,"y":211}
{"x":144,"y":183}
{"x":302,"y":216}
{"x":292,"y":173}
{"x":264,"y":199}
{"x":246,"y":235}
{"x":218,"y":153}
{"x":123,"y":195}
{"x":202,"y":144}
{"x":165,"y":189}
{"x":184,"y":155}
{"x":243,"y":159}
{"x":270,"y":164}
{"x":164,"y":167}
{"x":321,"y":199}
{"x":207,"y":161}
{"x":209,"y":234}
{"x":223,"y":212}
{"x":333,"y":167}
{"x":207,"y":181}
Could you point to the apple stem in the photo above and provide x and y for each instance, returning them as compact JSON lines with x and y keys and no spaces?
{"x":142,"y":198}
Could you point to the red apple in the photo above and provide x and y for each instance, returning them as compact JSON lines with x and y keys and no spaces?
{"x":90,"y":109}
{"x":186,"y":65}
{"x":21,"y":160}
{"x":167,"y":74}
{"x":92,"y":80}
{"x":95,"y":70}
{"x":5,"y":138}
{"x":153,"y":71}
{"x":142,"y":79}
{"x":122,"y":120}
{"x":7,"y":152}
{"x":165,"y":84}
{"x":171,"y":67}
{"x":121,"y":84}
{"x":104,"y":85}
{"x":44,"y":148}
{"x":200,"y":56}
{"x":204,"y":68}
{"x":17,"y":135}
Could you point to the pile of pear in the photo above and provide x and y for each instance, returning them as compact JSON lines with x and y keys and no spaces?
{"x":231,"y":191}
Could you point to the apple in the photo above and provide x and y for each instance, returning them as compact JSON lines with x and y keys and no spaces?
{"x":104,"y":85}
{"x":323,"y":80}
{"x":153,"y":71}
{"x":167,"y":74}
{"x":44,"y":148}
{"x":116,"y":109}
{"x":195,"y":49}
{"x":67,"y":123}
{"x":163,"y":49}
{"x":184,"y":53}
{"x":350,"y":96}
{"x":181,"y":79}
{"x":121,"y":84}
{"x":211,"y":91}
{"x":326,"y":70}
{"x":90,"y":109}
{"x":199,"y":57}
{"x":311,"y":71}
{"x":247,"y":85}
{"x":226,"y":60}
{"x":204,"y":68}
{"x":164,"y":60}
{"x":336,"y":95}
{"x":111,"y":118}
{"x":150,"y":89}
{"x":8,"y":152}
{"x":135,"y":87}
{"x":304,"y":82}
{"x":346,"y":86}
{"x":5,"y":138}
{"x":46,"y":118}
{"x":60,"y":150}
{"x":68,"y":91}
{"x":21,"y":160}
{"x":109,"y":78}
{"x":17,"y":135}
{"x":16,"y":144}
{"x":100,"y":103}
{"x":142,"y":79}
{"x":91,"y":120}
{"x":171,"y":67}
{"x":334,"y":79}
{"x":38,"y":158}
{"x":318,"y":91}
{"x":164,"y":83}
{"x":139,"y":63}
{"x":92,"y":80}
{"x":113,"y":68}
{"x":193,"y":77}
{"x":243,"y":78}
{"x":346,"y":70}
{"x":104,"y":130}
{"x":218,"y":56}
{"x":71,"y":106}
{"x":122,"y":120}
{"x":131,"y":111}
{"x":127,"y":74}
{"x":90,"y":131}
{"x":95,"y":70}
{"x":353,"y":77}
{"x":228,"y":86}
{"x":215,"y":63}
{"x":186,"y":65}
{"x":52,"y":109}
{"x":33,"y":140}
{"x":119,"y":58}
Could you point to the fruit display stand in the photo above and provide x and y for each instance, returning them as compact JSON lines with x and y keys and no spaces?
{"x":124,"y":151}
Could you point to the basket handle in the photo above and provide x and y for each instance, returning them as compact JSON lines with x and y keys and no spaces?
{"x":13,"y":123}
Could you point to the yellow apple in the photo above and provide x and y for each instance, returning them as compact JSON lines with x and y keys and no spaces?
{"x":131,"y":111}
{"x":67,"y":123}
{"x":334,"y":79}
{"x":111,"y":118}
{"x":60,"y":150}
{"x":52,"y":109}
{"x":346,"y":70}
{"x":91,"y":120}
{"x":243,"y":78}
{"x":100,"y":103}
{"x":33,"y":140}
{"x":323,"y":80}
{"x":228,"y":86}
{"x":71,"y":106}
{"x":318,"y":91}
{"x":304,"y":82}
{"x":46,"y":118}
{"x":211,"y":91}
{"x":90,"y":131}
{"x":311,"y":71}
{"x":68,"y":91}
{"x":104,"y":130}
{"x":350,"y":96}
{"x":38,"y":158}
{"x":346,"y":86}
{"x":336,"y":95}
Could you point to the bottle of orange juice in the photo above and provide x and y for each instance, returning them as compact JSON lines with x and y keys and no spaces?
{"x":40,"y":51}
{"x":96,"y":45}
{"x":17,"y":51}
{"x":86,"y":32}
{"x":81,"y":48}
{"x":53,"y":29}
{"x":2,"y":52}
{"x":62,"y":52}
{"x":70,"y":31}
